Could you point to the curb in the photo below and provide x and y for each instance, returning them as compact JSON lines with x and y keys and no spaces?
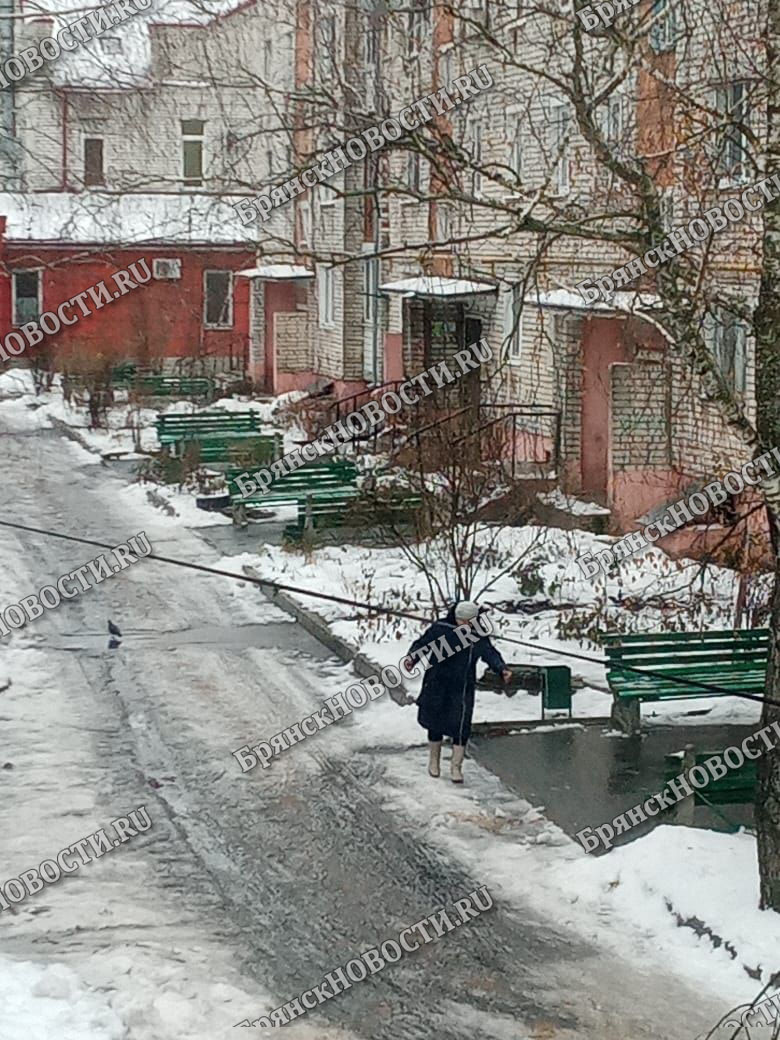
{"x":320,"y":629}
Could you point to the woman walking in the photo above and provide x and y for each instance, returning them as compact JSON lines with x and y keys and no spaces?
{"x":446,"y":703}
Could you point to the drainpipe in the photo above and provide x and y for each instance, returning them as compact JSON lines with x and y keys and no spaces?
{"x":10,"y":166}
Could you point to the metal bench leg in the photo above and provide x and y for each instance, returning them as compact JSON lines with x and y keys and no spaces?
{"x":626,"y":715}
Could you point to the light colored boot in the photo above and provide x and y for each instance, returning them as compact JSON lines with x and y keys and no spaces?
{"x":434,"y":754}
{"x":456,"y":771}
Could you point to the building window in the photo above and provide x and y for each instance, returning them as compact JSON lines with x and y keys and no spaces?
{"x":474,"y":148}
{"x":731,"y":103}
{"x":446,"y":67}
{"x":326,"y":296}
{"x":304,"y":208}
{"x":418,"y":21}
{"x":329,"y":36}
{"x":93,"y":161}
{"x":558,"y":129}
{"x":666,"y":200}
{"x":192,"y":152}
{"x":613,"y":119}
{"x":663,"y":34}
{"x":515,"y":129}
{"x":218,"y":299}
{"x":726,"y":337}
{"x":370,"y":289}
{"x":513,"y":324}
{"x":443,"y":225}
{"x":26,"y":291}
{"x":110,"y":44}
{"x":413,"y":171}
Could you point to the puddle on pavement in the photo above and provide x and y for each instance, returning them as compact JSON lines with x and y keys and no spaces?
{"x":583,"y":778}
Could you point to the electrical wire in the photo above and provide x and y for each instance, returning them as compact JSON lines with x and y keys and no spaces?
{"x":376,"y":609}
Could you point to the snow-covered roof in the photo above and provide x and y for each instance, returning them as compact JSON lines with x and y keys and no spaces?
{"x":93,"y":65}
{"x":277,"y":272}
{"x":102,"y":218}
{"x":435,"y":286}
{"x":570,"y":300}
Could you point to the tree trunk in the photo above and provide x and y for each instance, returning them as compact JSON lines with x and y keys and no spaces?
{"x":767,"y":329}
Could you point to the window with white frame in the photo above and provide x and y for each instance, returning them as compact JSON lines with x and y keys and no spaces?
{"x":666,"y":200}
{"x":192,"y":152}
{"x":559,"y":119}
{"x":446,"y":61}
{"x":443,"y":222}
{"x":731,"y":103}
{"x":413,"y":171}
{"x":513,"y":323}
{"x":370,"y":288}
{"x":218,"y":299}
{"x":515,"y":137}
{"x":304,"y":210}
{"x":726,"y":337}
{"x":474,"y":134}
{"x":476,"y":10}
{"x":326,"y":296}
{"x":26,"y":291}
{"x":663,"y":32}
{"x":614,"y":114}
{"x":418,"y":22}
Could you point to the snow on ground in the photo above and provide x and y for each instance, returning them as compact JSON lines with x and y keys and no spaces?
{"x":17,"y":393}
{"x":510,"y":844}
{"x":649,"y":593}
{"x":618,"y":900}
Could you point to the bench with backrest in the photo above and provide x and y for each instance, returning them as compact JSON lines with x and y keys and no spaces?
{"x":734,"y":787}
{"x":317,"y":513}
{"x":332,"y":481}
{"x":217,"y":434}
{"x":729,"y":660}
{"x":152,"y":384}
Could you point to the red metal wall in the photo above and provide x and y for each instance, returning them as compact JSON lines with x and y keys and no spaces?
{"x":158,"y":319}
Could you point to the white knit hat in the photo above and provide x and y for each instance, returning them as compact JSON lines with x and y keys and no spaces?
{"x":466,"y":610}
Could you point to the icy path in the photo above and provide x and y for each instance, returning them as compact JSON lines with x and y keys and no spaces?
{"x":248,"y":888}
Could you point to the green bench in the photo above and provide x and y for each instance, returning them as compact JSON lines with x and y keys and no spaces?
{"x":218,"y":435}
{"x":313,"y":478}
{"x":333,"y":481}
{"x":736,"y":787}
{"x":154,"y":385}
{"x":730,"y":660}
{"x":319,"y":512}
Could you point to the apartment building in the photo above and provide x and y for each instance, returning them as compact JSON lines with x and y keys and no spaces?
{"x":482,"y":225}
{"x":634,"y":428}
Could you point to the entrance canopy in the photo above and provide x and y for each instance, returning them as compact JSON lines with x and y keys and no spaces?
{"x":568,"y":299}
{"x":430,"y":287}
{"x":277,"y":272}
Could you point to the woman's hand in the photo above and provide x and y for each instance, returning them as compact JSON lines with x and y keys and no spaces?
{"x":506,"y":675}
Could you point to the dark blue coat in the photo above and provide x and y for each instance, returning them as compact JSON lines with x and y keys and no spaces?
{"x":446,"y":703}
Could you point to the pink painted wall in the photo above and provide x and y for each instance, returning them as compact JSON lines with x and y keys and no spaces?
{"x":394,"y":355}
{"x":602,"y":346}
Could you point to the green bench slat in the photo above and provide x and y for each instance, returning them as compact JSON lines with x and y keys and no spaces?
{"x":651,"y":638}
{"x":738,"y":785}
{"x":733,"y":661}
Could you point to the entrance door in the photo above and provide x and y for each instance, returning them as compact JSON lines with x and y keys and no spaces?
{"x":602,"y":347}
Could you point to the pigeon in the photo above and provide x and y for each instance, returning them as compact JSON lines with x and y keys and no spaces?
{"x":114,"y":643}
{"x":113,"y":630}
